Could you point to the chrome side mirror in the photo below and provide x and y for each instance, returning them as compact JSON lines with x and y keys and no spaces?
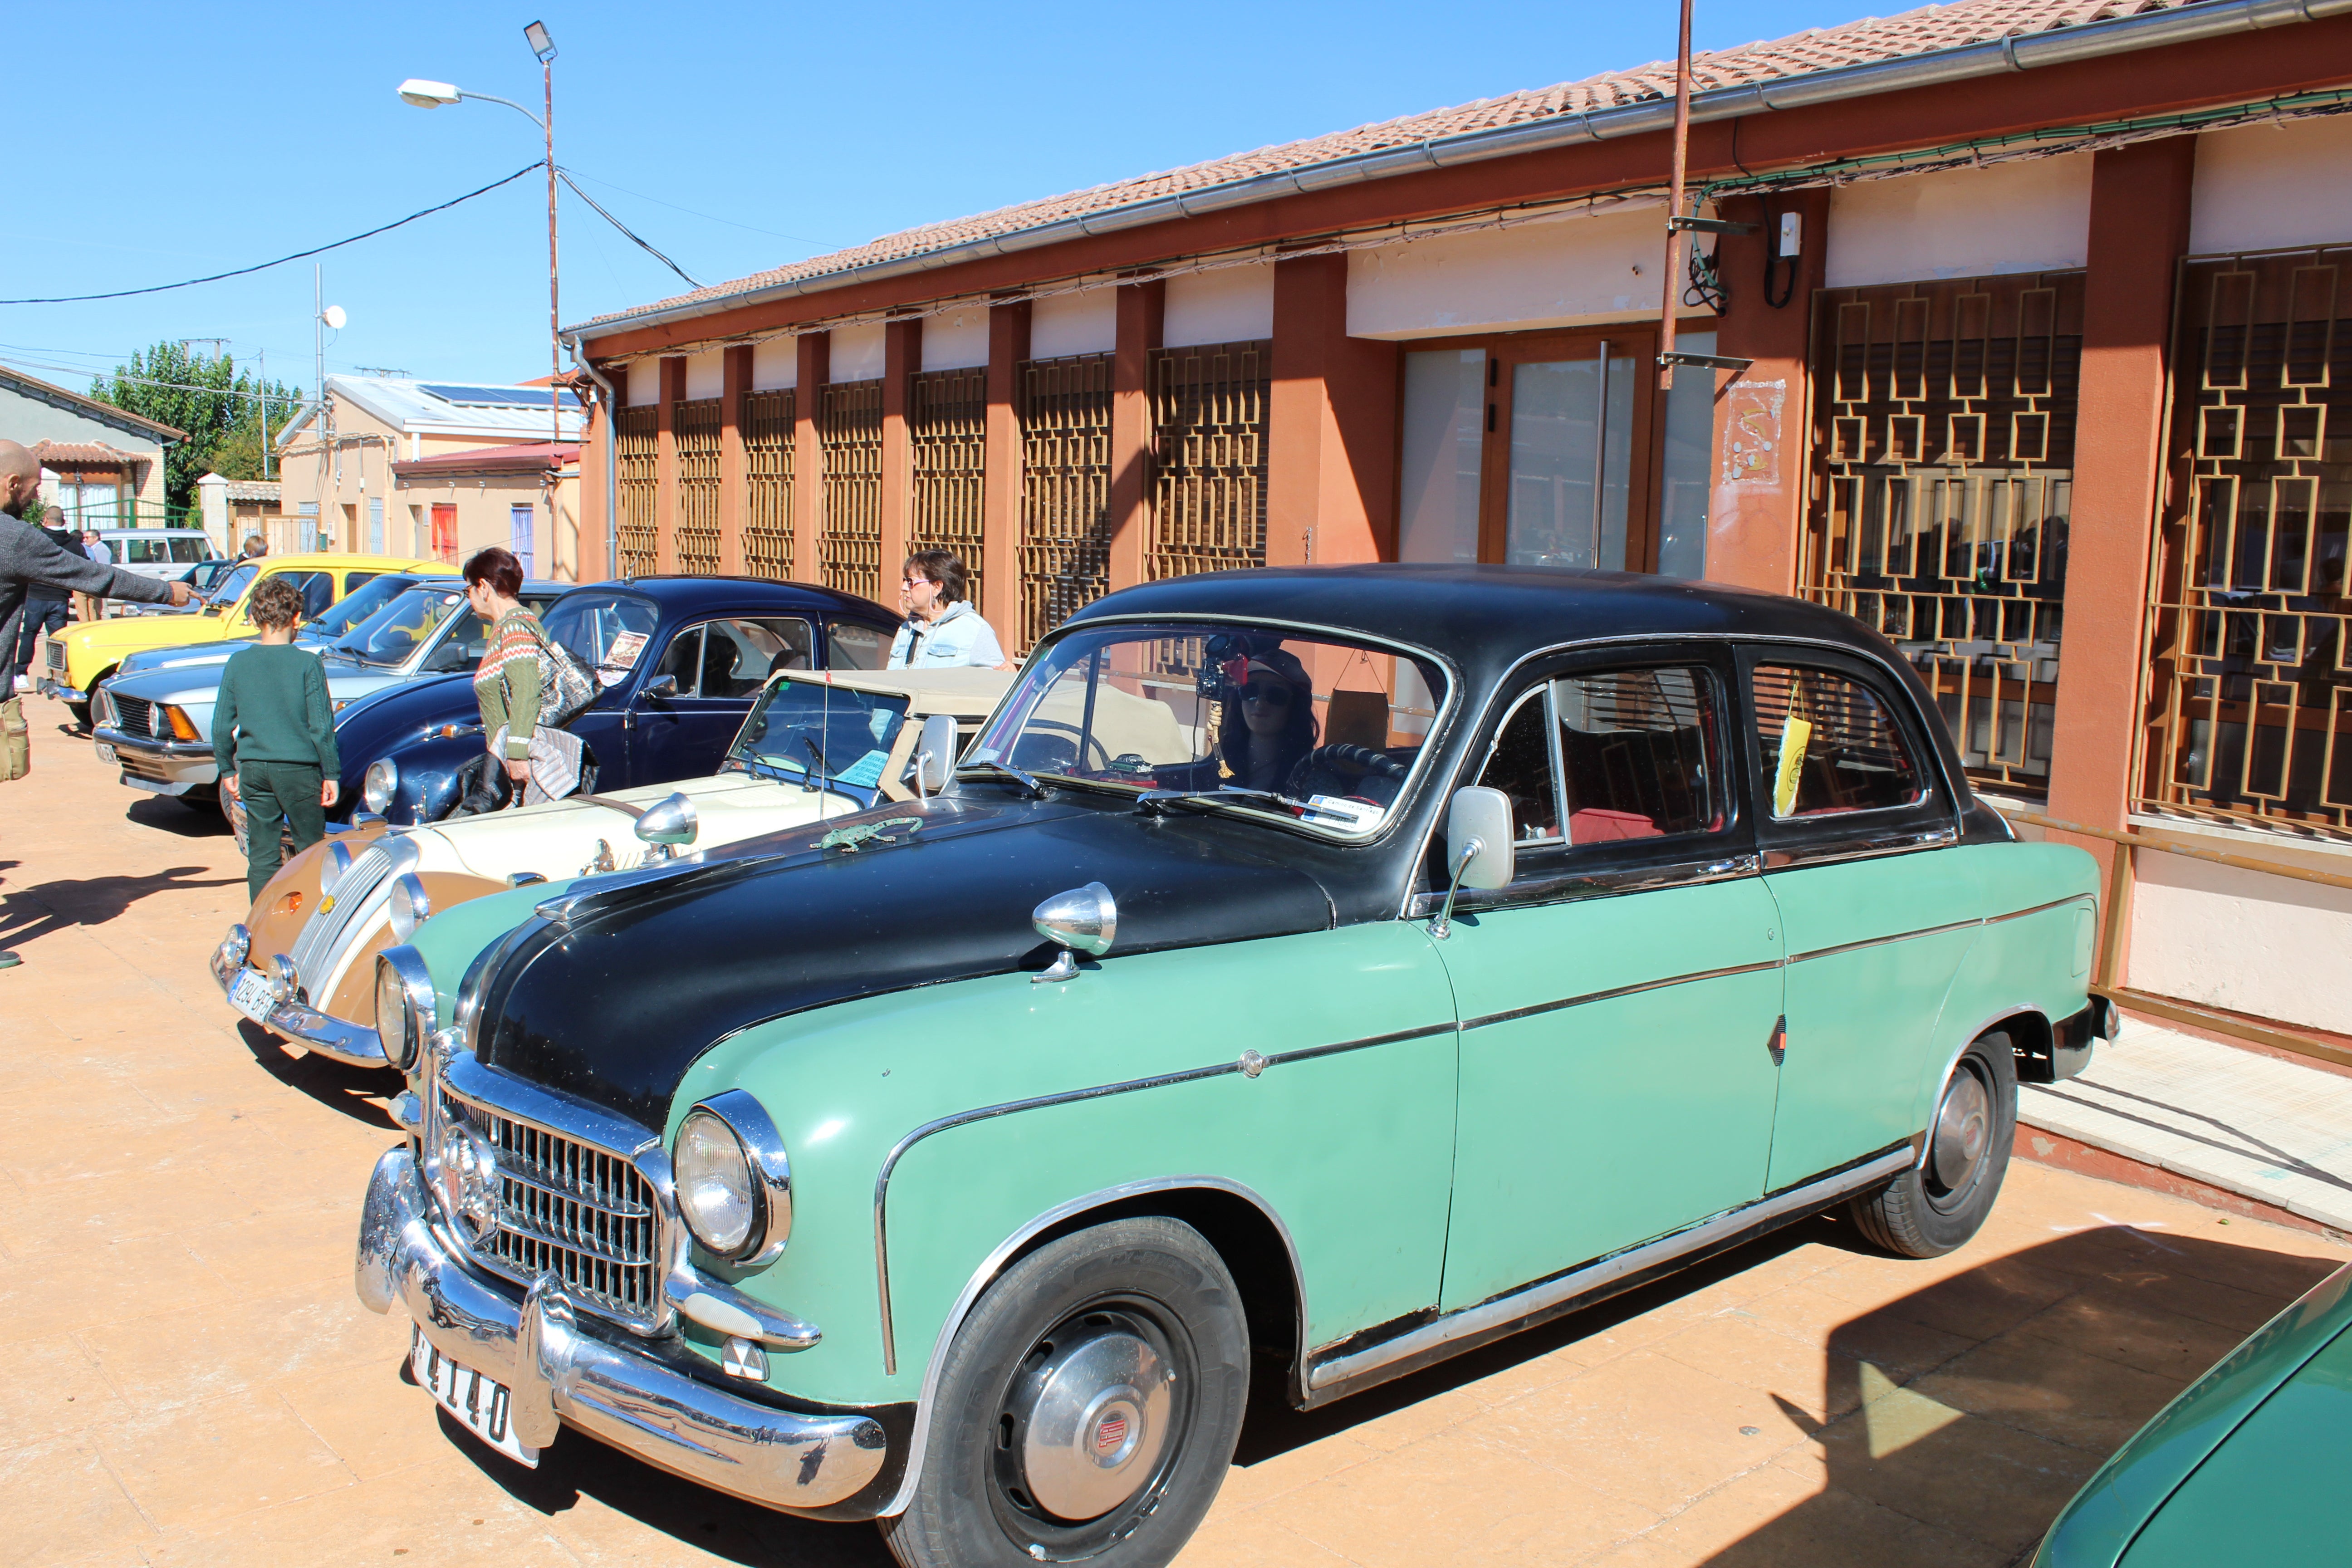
{"x":669,"y":826}
{"x":1478,"y":853}
{"x":935,"y":754}
{"x":660,"y":686}
{"x":1084,"y":920}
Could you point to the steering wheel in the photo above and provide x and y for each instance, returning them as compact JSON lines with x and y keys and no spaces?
{"x":1041,"y":736}
{"x":1345,"y":762}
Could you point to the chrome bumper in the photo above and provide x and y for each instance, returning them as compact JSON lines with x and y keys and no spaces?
{"x":321,"y":1032}
{"x":165,"y":767}
{"x":556,"y":1374}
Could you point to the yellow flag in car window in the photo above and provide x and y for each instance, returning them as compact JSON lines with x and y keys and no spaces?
{"x":1794,"y":733}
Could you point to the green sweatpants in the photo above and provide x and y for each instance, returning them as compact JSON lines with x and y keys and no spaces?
{"x":274,"y":792}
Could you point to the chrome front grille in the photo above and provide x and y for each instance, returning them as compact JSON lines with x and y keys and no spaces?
{"x":134,"y":715}
{"x":315,"y":946}
{"x":583,"y":1213}
{"x":57,"y":656}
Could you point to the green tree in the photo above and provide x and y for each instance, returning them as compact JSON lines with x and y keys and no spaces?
{"x":220,"y":406}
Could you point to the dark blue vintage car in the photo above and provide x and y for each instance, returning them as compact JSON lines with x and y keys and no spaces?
{"x":679,"y":658}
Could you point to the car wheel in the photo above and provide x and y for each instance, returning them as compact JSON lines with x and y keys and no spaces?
{"x":1941,"y":1201}
{"x":1086,"y":1409}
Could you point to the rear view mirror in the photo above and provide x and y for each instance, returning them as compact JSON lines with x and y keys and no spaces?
{"x":935,"y":754}
{"x":1478,"y":853}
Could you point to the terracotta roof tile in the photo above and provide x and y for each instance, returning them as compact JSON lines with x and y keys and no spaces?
{"x":93,"y":452}
{"x":1871,"y":39}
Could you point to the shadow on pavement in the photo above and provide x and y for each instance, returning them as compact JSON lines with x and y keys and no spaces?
{"x":27,"y":913}
{"x":167,"y":814}
{"x":359,"y":1093}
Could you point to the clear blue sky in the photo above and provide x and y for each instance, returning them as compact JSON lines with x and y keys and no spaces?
{"x":160,"y":141}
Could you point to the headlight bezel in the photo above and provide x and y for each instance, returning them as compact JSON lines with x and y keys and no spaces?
{"x":408,"y":906}
{"x":405,"y":967}
{"x":379,"y":784}
{"x":769,"y":1168}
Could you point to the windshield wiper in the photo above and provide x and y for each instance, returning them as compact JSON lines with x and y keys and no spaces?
{"x":1035,"y":790}
{"x":1156,"y":802}
{"x":824,"y":768}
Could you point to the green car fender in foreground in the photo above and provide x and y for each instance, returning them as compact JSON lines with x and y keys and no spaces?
{"x":1141,"y":1064}
{"x":2250,"y":1463}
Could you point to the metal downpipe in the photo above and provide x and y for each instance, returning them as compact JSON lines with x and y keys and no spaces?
{"x":611,"y":460}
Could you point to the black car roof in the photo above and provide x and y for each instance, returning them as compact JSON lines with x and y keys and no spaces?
{"x":685,"y":594}
{"x":1487,"y":617}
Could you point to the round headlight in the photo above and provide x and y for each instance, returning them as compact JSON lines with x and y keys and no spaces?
{"x":391,"y":1014}
{"x":409,"y":907}
{"x":715,"y":1189}
{"x":239,"y":943}
{"x":375,"y":789}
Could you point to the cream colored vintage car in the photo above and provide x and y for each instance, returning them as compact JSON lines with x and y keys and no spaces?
{"x":816,"y":743}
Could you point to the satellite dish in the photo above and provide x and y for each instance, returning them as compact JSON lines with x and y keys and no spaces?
{"x":334,"y":318}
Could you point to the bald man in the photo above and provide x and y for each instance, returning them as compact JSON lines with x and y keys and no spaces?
{"x":28,"y":556}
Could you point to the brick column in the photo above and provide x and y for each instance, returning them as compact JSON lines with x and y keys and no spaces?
{"x":2140,"y":229}
{"x":1331,"y":484}
{"x":1142,"y":307}
{"x":672,"y":387}
{"x":1000,"y":503}
{"x":1755,"y":511}
{"x":902,"y":356}
{"x":815,"y":368}
{"x":735,"y":382}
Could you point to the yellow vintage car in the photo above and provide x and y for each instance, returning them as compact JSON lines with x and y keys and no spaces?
{"x":75,"y":659}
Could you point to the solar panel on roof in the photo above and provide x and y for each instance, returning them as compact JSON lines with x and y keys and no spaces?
{"x":495,"y":396}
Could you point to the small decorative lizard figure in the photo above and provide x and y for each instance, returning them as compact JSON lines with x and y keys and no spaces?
{"x":858,"y":834}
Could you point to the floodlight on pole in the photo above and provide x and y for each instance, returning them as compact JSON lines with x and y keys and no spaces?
{"x":540,"y":44}
{"x":428,"y":94}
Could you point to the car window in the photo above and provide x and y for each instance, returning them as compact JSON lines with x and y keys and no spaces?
{"x":797,"y":726}
{"x":854,"y":645}
{"x":682,"y":661}
{"x":606,"y":632}
{"x":317,"y":591}
{"x":143,"y":552}
{"x":1611,"y":755}
{"x":233,"y":586}
{"x":356,"y":579}
{"x":392,"y":633}
{"x":188,"y":550}
{"x":353,"y":608}
{"x":738,"y":655}
{"x":1827,"y":745}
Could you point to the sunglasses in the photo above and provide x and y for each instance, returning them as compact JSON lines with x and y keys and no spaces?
{"x":1273,"y":691}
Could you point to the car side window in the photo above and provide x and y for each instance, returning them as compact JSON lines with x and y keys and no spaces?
{"x":854,"y":645}
{"x":141,"y":552}
{"x":1638,"y":752}
{"x":351,"y":583}
{"x":1827,"y":743}
{"x":317,"y":591}
{"x":1520,"y":765}
{"x":683,"y":661}
{"x":188,"y":550}
{"x":738,"y":655}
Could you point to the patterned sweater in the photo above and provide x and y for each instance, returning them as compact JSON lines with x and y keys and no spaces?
{"x":507,"y":686}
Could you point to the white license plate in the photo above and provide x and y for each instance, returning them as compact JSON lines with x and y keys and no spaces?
{"x":249,"y":994}
{"x":106,"y":754}
{"x":483,"y":1403}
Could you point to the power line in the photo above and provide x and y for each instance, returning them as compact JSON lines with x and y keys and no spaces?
{"x":566,"y":175}
{"x":714,"y":217}
{"x":314,"y":251}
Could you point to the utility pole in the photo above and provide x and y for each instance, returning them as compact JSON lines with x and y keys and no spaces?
{"x":543,"y":46}
{"x":264,"y":356}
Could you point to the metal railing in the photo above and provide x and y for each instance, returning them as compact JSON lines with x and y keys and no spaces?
{"x":694,"y":529}
{"x":947,"y":461}
{"x":767,"y":424}
{"x":1208,"y":459}
{"x":634,"y":455}
{"x":2114,"y":922}
{"x":849,"y":513}
{"x":1064,"y":489}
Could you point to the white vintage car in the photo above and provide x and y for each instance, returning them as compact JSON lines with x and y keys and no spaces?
{"x":816,"y":743}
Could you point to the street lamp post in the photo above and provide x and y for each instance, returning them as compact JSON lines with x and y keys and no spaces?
{"x":437,"y":94}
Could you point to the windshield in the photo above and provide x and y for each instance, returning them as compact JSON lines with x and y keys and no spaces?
{"x":392,"y":633}
{"x":606,"y":632}
{"x":1329,"y":727}
{"x":853,"y":731}
{"x":233,"y":586}
{"x":355,"y":607}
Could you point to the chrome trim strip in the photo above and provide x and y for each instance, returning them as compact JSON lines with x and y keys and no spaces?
{"x":620,"y":1395}
{"x":1566,"y":885}
{"x":1615,"y":992}
{"x":1861,"y":847}
{"x":989,"y":1113}
{"x":1884,"y":940}
{"x":552,"y":1109}
{"x":1502,"y":1310}
{"x":2090,"y":898}
{"x":123,"y":741}
{"x":993,"y":1265}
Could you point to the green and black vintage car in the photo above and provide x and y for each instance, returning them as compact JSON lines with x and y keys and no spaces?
{"x":1307,"y":975}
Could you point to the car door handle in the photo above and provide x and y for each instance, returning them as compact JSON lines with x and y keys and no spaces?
{"x":1731,"y":868}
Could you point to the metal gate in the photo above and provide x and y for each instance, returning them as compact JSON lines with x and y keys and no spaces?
{"x":694,"y":427}
{"x":1208,"y":459}
{"x":850,"y":520}
{"x":634,"y":456}
{"x":1943,"y":467}
{"x":2248,"y":715}
{"x":1064,"y":489}
{"x":768,"y":484}
{"x":946,"y":451}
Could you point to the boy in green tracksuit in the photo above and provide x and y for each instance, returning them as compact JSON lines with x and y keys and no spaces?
{"x":274,"y":735}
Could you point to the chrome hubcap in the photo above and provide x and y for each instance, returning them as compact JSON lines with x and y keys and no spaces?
{"x":1963,"y":1130}
{"x":1094,"y":1418}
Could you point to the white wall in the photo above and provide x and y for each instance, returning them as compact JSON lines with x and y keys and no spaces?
{"x":2266,"y":187}
{"x":775,"y":364}
{"x":1566,"y":272}
{"x":1962,"y":223}
{"x":2242,"y":940}
{"x":1084,"y":324}
{"x":1229,"y":305}
{"x":706,"y":374}
{"x":957,"y":340}
{"x":644,"y":382}
{"x":858,"y":351}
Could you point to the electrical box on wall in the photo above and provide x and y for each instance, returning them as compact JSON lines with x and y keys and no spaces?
{"x":1791,"y":236}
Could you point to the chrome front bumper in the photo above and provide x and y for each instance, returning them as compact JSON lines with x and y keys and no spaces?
{"x":329,"y":1036}
{"x":164,"y":767}
{"x":558,"y":1374}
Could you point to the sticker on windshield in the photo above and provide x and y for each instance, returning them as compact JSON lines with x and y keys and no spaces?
{"x":866,"y":772}
{"x":1338,"y":810}
{"x":626,"y":646}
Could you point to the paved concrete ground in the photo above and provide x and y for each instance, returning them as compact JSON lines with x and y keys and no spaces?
{"x":185,"y":1376}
